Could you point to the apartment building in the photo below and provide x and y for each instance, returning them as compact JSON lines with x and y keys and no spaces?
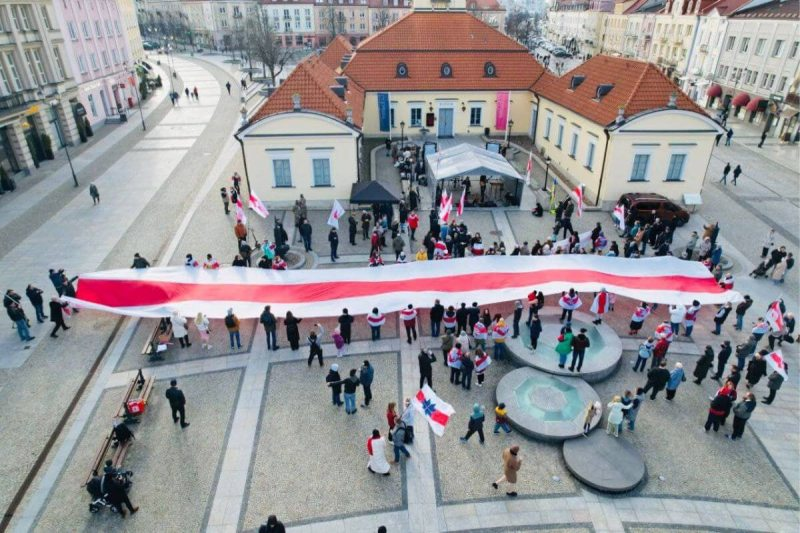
{"x":37,"y":91}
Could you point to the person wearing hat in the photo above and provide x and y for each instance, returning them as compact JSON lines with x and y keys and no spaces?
{"x":511,"y":465}
{"x":336,"y":389}
{"x":475,"y":423}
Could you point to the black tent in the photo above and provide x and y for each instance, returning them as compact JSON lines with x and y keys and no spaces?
{"x":371,"y":192}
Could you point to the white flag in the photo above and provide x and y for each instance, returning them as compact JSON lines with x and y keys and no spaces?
{"x":529,"y":168}
{"x":775,"y":360}
{"x":577,"y":193}
{"x":257,"y":205}
{"x":460,"y":210}
{"x":336,"y":214}
{"x":240,"y":211}
{"x":436,"y":411}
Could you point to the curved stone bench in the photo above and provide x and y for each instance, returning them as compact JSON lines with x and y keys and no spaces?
{"x":601,"y":360}
{"x":543,"y":406}
{"x":605,"y":463}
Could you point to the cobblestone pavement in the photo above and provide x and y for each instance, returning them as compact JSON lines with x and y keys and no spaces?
{"x":264,"y":437}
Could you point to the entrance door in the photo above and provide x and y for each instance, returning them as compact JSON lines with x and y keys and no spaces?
{"x":104,"y":99}
{"x":445,"y":122}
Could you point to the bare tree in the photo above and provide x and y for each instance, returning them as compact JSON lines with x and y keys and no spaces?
{"x":519,"y":25}
{"x":333,"y":20}
{"x":265,"y":46}
{"x":382,"y":19}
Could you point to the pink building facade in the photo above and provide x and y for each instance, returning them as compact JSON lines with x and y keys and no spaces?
{"x":99,"y":55}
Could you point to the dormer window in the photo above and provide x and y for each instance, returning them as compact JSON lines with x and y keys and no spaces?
{"x":602,"y":90}
{"x":402,"y":70}
{"x":488,"y":70}
{"x":576,"y":81}
{"x":446,"y":70}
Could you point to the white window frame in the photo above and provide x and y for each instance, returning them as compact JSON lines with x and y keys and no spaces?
{"x":280,"y":156}
{"x":548,"y":124}
{"x":761,"y":44}
{"x":82,"y":64}
{"x":645,"y":177}
{"x":37,"y":60}
{"x":85,"y":27}
{"x":4,"y":81}
{"x":411,"y":121}
{"x":93,"y":61}
{"x":59,"y":62}
{"x":115,"y":56}
{"x":98,"y":30}
{"x":473,"y":108}
{"x":26,"y":23}
{"x":682,"y":169}
{"x":574,"y":140}
{"x":15,"y":17}
{"x":744,"y":45}
{"x":29,"y":60}
{"x":73,"y":32}
{"x":591,"y":150}
{"x":562,"y":125}
{"x":317,"y":155}
{"x":104,"y":58}
{"x":46,"y":17}
{"x":777,"y":48}
{"x":731,"y":43}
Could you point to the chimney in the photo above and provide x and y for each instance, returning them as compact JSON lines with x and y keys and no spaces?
{"x":296,"y":101}
{"x":341,"y":80}
{"x":338,"y":90}
{"x":348,"y":113}
{"x":620,"y":116}
{"x":673,"y":100}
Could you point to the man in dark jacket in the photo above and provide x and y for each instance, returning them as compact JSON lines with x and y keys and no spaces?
{"x":117,"y":495}
{"x":425,"y":368}
{"x":352,"y":229}
{"x":462,"y":314}
{"x":741,"y":309}
{"x":140,"y":262}
{"x":305,"y":230}
{"x":345,"y":325}
{"x":774,"y":382}
{"x":280,"y":235}
{"x":722,"y":359}
{"x":474,"y":316}
{"x":657,"y":379}
{"x":333,"y":239}
{"x":35,"y":296}
{"x":579,"y":345}
{"x":437,"y":313}
{"x":350,"y":384}
{"x":336,"y":390}
{"x":365,"y":376}
{"x":177,"y":402}
{"x":270,"y":325}
{"x":467,"y":366}
{"x":57,"y":315}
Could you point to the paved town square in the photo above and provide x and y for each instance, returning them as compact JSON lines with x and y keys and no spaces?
{"x":163,"y":404}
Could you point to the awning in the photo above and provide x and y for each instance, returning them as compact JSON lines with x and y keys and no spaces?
{"x":740,"y":100}
{"x":754,"y":104}
{"x":468,"y":160}
{"x":371,"y":192}
{"x":715,"y":91}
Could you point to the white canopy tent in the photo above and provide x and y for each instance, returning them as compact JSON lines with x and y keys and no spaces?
{"x":468,"y":160}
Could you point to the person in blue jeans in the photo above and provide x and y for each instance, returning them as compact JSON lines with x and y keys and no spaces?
{"x":336,"y":390}
{"x":501,"y":418}
{"x":741,"y":309}
{"x":398,"y":440}
{"x":350,"y":384}
{"x":17,"y":316}
{"x":232,"y":324}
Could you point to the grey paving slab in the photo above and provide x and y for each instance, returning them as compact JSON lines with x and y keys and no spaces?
{"x":605,"y":463}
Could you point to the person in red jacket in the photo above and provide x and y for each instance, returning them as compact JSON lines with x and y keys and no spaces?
{"x":659,"y":352}
{"x":413,"y":224}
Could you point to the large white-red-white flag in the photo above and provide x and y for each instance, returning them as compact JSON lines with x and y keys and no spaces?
{"x":460,"y":210}
{"x":445,"y":206}
{"x":435,"y":410}
{"x":336,"y":213}
{"x":257,"y":205}
{"x":240,"y":211}
{"x":577,"y":193}
{"x":774,"y":316}
{"x":529,"y":168}
{"x":619,"y":215}
{"x":775,"y":360}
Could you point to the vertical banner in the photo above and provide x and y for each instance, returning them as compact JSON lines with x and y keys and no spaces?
{"x":501,"y":116}
{"x":383,"y":111}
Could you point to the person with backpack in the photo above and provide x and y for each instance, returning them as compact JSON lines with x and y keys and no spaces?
{"x":232,"y":324}
{"x":315,"y":345}
{"x":475,"y":424}
{"x":398,"y":441}
{"x":270,"y":326}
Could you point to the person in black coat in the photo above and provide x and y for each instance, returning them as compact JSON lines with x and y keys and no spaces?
{"x":333,"y":239}
{"x":35,"y":296}
{"x":722,"y":359}
{"x":57,"y":315}
{"x":177,"y":402}
{"x":352,"y":228}
{"x":272,"y":525}
{"x":425,"y":368}
{"x":437,"y":313}
{"x":518,"y":307}
{"x":280,"y":235}
{"x":657,"y":379}
{"x":467,"y":366}
{"x":345,"y":325}
{"x":336,"y":390}
{"x":703,"y":365}
{"x":461,"y":318}
{"x":474,"y":315}
{"x":292,"y":330}
{"x":117,"y":495}
{"x":270,"y":325}
{"x":535,"y":330}
{"x":756,"y":369}
{"x":306,"y":230}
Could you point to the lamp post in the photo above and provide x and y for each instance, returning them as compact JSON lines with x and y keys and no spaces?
{"x":138,"y":96}
{"x":547,"y":161}
{"x":402,"y":139}
{"x":54,"y":106}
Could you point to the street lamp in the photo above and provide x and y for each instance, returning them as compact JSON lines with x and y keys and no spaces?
{"x":547,"y":161}
{"x":136,"y":90}
{"x":402,"y":127}
{"x":54,"y":106}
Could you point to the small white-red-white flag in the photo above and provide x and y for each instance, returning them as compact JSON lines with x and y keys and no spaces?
{"x":529,"y":168}
{"x":774,"y":316}
{"x":240,"y":211}
{"x":577,"y":193}
{"x":257,"y":205}
{"x":619,"y":214}
{"x":460,"y":210}
{"x":775,"y":360}
{"x":445,"y":206}
{"x":336,"y":213}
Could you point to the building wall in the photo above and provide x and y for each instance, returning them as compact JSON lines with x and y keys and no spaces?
{"x":705,"y":57}
{"x":672,"y":43}
{"x":131,"y":28}
{"x":403,"y":102}
{"x":293,"y":22}
{"x":302,"y":136}
{"x":96,"y":46}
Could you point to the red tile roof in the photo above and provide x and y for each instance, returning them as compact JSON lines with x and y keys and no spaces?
{"x":332,"y":56}
{"x":638,"y":87}
{"x":724,"y":7}
{"x":418,"y":40}
{"x":778,"y":9}
{"x":311,"y":79}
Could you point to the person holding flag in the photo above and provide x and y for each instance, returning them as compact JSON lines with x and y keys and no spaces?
{"x":600,"y":306}
{"x":577,"y":193}
{"x":778,"y":376}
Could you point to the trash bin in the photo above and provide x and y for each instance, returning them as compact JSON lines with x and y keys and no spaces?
{"x":486,"y":131}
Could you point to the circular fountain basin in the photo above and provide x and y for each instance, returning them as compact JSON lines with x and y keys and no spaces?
{"x":544,"y":406}
{"x":601,"y":360}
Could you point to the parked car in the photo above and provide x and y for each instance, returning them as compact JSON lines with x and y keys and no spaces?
{"x":645,"y":207}
{"x":561,"y":52}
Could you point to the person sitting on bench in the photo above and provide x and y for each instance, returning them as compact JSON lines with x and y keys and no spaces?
{"x":121,"y":433}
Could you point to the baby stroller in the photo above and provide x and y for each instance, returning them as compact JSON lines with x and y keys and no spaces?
{"x":760,"y":271}
{"x":98,"y":489}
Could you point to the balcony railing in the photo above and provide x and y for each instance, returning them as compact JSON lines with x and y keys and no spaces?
{"x":12,"y":101}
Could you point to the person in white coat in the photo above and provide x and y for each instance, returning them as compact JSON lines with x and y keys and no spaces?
{"x":615,"y":415}
{"x":201,"y":323}
{"x":376,"y":448}
{"x":179,"y":330}
{"x":676,"y":315}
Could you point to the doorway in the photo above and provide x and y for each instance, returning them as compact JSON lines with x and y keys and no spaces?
{"x":445,"y":122}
